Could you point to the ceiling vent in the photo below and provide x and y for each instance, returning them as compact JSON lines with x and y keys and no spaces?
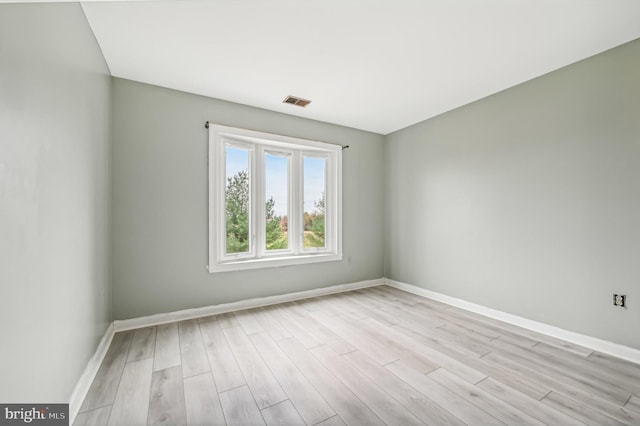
{"x":296,"y":101}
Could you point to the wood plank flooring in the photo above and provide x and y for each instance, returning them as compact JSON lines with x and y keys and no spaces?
{"x":368,"y":357}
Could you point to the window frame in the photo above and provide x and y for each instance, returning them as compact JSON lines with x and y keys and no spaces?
{"x":258,"y":144}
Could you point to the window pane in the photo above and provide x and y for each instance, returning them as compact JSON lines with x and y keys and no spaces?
{"x":237,"y":200}
{"x":277,"y":195}
{"x":314,"y":191}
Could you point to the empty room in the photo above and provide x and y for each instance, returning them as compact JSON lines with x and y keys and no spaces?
{"x":218,"y":212}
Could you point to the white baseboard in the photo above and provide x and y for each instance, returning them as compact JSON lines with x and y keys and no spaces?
{"x":237,"y":306}
{"x":604,"y":346}
{"x":89,"y":373}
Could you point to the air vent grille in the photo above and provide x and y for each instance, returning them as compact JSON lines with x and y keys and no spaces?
{"x":293,"y":100}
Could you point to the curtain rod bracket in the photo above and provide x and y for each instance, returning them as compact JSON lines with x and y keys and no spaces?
{"x":345,"y":147}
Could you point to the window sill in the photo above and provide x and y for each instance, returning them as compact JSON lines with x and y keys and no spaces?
{"x":246,"y":264}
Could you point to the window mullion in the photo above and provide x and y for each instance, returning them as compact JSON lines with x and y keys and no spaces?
{"x":296,"y":223}
{"x":328,"y":206}
{"x":220,"y":225}
{"x":258,"y":209}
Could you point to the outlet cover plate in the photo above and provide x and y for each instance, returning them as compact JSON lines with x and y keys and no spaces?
{"x":619,"y":300}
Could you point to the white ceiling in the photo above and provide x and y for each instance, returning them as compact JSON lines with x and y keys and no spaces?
{"x":377,"y":65}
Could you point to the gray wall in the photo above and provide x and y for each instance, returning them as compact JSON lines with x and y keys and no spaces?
{"x":54,"y":189}
{"x":160,"y":203}
{"x":528,"y":201}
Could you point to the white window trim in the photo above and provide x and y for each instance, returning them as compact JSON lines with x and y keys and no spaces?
{"x":258,"y":143}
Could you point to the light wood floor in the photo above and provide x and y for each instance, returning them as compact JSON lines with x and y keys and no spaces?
{"x":371,"y":357}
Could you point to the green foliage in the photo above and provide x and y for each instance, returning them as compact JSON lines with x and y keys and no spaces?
{"x":317,"y":227}
{"x":314,"y":225}
{"x":237,"y":212}
{"x":311,"y":240}
{"x":237,"y":219}
{"x":276,"y":235}
{"x":308,"y":220}
{"x":314,"y":234}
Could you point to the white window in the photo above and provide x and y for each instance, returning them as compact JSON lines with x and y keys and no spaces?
{"x":273,"y":200}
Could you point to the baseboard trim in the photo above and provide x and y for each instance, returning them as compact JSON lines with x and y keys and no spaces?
{"x":186,"y":314}
{"x":89,"y":373}
{"x":620,"y":351}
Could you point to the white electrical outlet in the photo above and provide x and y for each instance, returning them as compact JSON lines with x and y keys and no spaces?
{"x":619,"y":300}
